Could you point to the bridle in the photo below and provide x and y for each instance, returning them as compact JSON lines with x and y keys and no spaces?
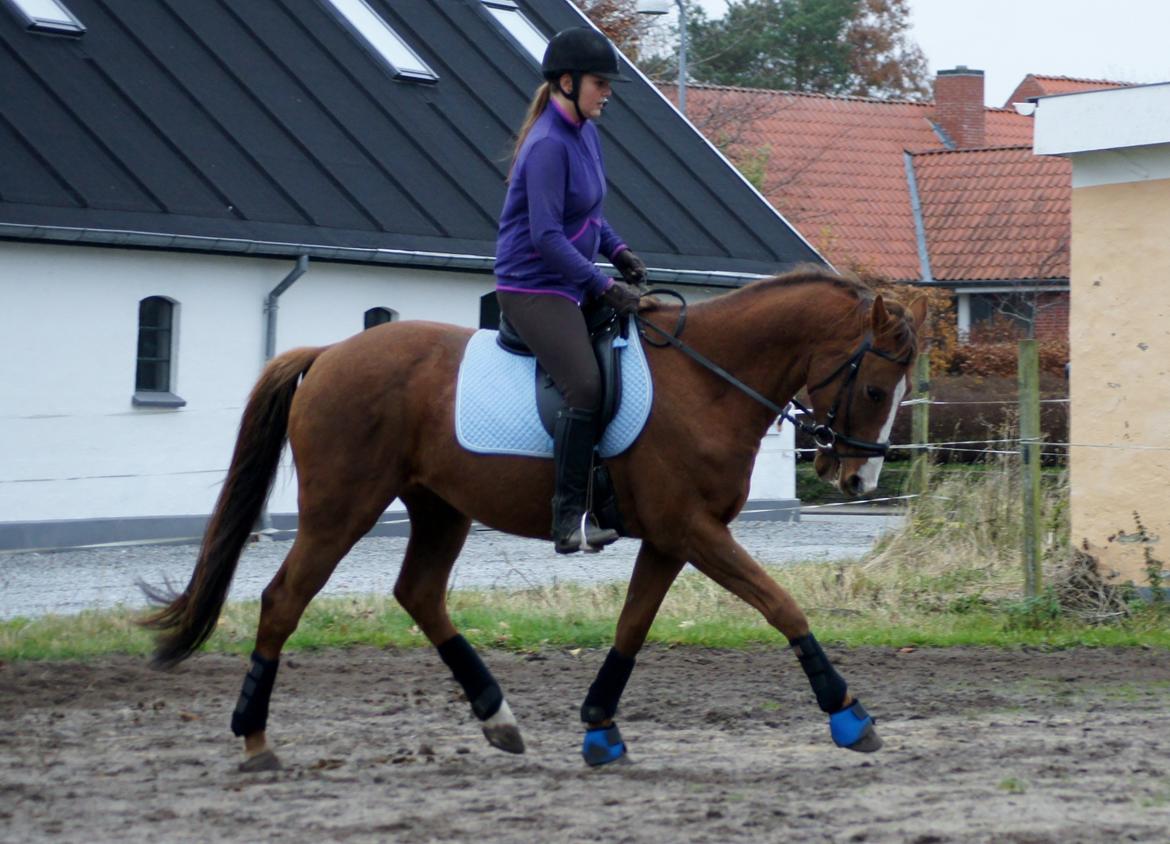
{"x":823,"y":434}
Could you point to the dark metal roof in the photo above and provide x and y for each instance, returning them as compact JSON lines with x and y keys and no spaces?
{"x":263,"y":126}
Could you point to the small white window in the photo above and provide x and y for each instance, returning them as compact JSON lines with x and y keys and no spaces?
{"x":383,"y":41}
{"x":46,"y":16}
{"x":155,"y":371}
{"x":519,"y":27}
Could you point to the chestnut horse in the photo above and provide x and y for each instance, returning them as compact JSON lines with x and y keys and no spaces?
{"x":371,"y":419}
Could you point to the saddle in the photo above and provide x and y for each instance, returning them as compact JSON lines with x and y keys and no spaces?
{"x":605,"y":327}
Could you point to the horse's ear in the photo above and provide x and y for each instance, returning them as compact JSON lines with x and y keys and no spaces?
{"x":879,"y":316}
{"x":918,"y":310}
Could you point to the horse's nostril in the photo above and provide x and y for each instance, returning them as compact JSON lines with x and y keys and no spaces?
{"x":856,"y":485}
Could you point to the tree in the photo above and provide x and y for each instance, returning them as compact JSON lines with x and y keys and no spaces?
{"x":859,"y":47}
{"x":885,"y":62}
{"x":619,"y":20}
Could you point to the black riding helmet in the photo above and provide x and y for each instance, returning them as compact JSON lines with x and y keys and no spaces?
{"x":578,"y":51}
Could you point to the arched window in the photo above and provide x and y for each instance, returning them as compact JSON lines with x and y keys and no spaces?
{"x":155,"y":362}
{"x":378,"y":316}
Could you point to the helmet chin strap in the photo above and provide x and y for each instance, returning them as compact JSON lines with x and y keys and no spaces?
{"x":575,"y":93}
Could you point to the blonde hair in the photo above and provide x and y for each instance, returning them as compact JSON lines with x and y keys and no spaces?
{"x":535,"y":109}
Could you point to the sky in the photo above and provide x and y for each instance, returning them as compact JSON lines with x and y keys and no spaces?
{"x":1123,"y":40}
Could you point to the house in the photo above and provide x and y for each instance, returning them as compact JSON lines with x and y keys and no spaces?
{"x":187,"y":189}
{"x":944,"y":193}
{"x":1118,"y":142}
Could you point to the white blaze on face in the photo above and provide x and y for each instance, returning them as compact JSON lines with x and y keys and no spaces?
{"x":871,"y":468}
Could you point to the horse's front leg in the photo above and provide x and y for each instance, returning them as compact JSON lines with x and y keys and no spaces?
{"x":720,"y":557}
{"x":653,"y":574}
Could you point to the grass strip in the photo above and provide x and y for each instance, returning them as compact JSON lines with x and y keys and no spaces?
{"x":839,"y":599}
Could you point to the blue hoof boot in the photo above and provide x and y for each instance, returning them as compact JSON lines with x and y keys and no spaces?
{"x":602,"y":746}
{"x":853,"y":729}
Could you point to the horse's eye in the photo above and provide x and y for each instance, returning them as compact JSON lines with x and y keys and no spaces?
{"x":875,"y":394}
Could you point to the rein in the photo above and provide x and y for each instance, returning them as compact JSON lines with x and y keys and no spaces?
{"x":823,"y":435}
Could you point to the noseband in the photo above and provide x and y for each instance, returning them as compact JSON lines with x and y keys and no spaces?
{"x":823,"y":434}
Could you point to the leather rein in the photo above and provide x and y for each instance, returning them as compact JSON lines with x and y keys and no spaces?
{"x":823,"y":434}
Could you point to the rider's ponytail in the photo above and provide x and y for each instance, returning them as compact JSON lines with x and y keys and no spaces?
{"x":535,"y":109}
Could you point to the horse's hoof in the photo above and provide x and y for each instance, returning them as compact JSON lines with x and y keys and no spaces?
{"x":853,"y":729}
{"x":603,"y":746}
{"x":265,"y":760}
{"x":868,"y":743}
{"x":505,"y":737}
{"x":501,"y":730}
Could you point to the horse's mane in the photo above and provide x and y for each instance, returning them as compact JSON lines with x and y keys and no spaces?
{"x":904,"y":334}
{"x":812,"y":274}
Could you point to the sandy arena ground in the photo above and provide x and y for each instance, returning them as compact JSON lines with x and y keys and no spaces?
{"x":981,"y":745}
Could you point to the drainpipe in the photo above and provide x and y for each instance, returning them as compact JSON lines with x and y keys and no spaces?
{"x":270,"y":305}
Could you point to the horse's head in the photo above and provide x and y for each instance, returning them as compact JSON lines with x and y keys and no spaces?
{"x":856,"y":385}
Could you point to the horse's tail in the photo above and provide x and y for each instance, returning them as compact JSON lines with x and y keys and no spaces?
{"x":186,"y":620}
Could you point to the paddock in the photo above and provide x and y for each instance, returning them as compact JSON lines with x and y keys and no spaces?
{"x":980,"y":745}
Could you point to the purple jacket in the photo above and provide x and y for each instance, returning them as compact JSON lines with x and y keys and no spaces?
{"x":551,"y":228}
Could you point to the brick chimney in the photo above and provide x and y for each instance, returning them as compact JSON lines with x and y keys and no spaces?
{"x":958,"y":106}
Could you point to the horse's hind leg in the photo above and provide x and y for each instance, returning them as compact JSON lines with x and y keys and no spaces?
{"x":308,"y":565}
{"x":654,"y":572}
{"x":721,"y":558}
{"x":437,"y":534}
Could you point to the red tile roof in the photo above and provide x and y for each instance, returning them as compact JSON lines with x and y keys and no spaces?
{"x":1038,"y":85}
{"x":835,"y":166}
{"x":998,"y":213}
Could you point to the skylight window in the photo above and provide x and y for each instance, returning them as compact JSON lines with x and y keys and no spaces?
{"x":519,"y":27}
{"x":383,"y":41}
{"x":48,"y":16}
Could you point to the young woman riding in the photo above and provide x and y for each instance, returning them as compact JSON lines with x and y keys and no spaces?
{"x":551,"y":230}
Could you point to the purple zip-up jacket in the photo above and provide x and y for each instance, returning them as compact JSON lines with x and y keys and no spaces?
{"x":552,"y":228}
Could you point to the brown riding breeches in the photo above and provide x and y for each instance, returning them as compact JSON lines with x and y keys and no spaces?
{"x":554,"y":329}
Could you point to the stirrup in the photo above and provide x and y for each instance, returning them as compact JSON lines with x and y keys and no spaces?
{"x":585,"y":546}
{"x":581,"y":541}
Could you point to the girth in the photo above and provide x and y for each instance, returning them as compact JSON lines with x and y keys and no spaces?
{"x":604,"y":328}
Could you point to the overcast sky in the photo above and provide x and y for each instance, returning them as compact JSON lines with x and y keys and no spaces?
{"x":1124,"y":40}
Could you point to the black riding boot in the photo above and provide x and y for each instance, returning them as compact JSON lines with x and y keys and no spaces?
{"x":573,"y":440}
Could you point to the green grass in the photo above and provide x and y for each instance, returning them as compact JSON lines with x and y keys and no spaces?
{"x":696,"y":613}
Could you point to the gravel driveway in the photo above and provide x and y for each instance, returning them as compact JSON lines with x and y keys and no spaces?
{"x":35,"y":583}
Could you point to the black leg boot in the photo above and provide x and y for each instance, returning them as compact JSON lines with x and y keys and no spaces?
{"x":573,"y":440}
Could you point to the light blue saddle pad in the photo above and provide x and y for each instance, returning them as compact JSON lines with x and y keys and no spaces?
{"x":495,"y":400}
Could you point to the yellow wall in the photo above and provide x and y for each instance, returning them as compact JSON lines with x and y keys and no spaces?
{"x":1120,"y":335}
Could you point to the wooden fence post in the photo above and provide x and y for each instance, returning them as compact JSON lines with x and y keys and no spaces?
{"x":1029,"y":369}
{"x":920,"y":425}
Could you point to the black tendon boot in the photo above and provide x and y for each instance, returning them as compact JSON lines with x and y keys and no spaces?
{"x":573,"y":457}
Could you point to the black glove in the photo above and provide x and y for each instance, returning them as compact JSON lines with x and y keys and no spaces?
{"x":622,"y":297}
{"x":632,"y":268}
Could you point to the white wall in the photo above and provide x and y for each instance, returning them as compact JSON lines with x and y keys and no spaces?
{"x":774,"y":477}
{"x":72,"y":446}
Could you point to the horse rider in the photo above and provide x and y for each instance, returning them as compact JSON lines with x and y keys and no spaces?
{"x":551,"y":230}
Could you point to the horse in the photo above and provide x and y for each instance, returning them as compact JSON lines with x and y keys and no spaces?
{"x":371,"y":419}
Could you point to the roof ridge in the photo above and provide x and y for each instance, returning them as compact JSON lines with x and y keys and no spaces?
{"x":995,"y":148}
{"x":707,"y":86}
{"x":1079,"y":79}
{"x":816,"y":95}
